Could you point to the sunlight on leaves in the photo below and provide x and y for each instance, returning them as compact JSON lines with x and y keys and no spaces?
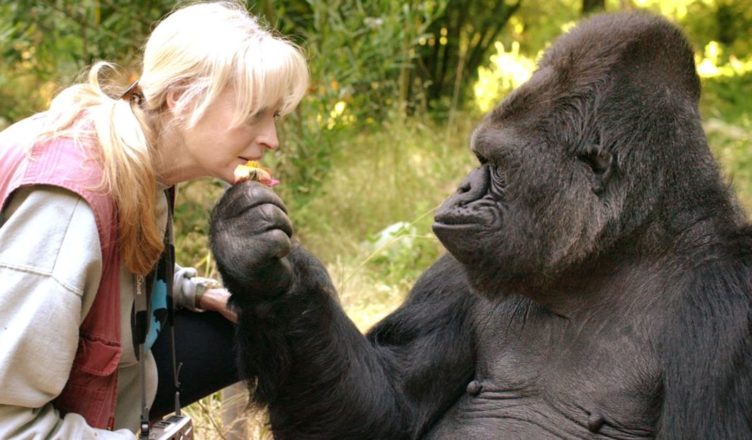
{"x":672,"y":8}
{"x":710,"y":63}
{"x":508,"y":70}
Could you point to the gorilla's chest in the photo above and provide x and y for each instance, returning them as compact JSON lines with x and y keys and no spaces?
{"x":539,"y":376}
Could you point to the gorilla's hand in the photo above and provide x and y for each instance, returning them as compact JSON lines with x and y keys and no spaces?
{"x":250,"y":238}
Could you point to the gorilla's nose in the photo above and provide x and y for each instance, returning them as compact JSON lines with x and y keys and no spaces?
{"x":474,"y":186}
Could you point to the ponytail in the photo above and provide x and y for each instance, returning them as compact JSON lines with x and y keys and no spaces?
{"x":87,"y":113}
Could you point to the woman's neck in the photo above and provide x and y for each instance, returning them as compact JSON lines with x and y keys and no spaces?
{"x":172,"y":162}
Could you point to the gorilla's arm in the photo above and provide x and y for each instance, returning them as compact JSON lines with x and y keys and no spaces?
{"x":320,"y":377}
{"x":428,"y":343}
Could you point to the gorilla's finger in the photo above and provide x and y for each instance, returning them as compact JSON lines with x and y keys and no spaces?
{"x":274,"y":243}
{"x":269,"y":280}
{"x":261,"y":193}
{"x":258,"y":220}
{"x":244,"y":255}
{"x":244,"y":196}
{"x":267,"y":216}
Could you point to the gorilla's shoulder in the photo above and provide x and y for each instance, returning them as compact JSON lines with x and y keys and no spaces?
{"x":445,"y":275}
{"x":442,"y":287}
{"x":441,"y":299}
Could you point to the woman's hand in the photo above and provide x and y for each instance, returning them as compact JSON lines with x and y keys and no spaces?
{"x":215,"y":300}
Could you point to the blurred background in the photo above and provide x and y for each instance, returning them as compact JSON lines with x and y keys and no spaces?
{"x":382,"y":137}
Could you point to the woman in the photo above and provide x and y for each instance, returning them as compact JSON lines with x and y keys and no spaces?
{"x":85,"y":224}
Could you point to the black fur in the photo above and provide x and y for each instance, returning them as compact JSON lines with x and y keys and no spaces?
{"x":598,"y":283}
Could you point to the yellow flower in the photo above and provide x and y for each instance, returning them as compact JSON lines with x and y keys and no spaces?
{"x":253,"y":170}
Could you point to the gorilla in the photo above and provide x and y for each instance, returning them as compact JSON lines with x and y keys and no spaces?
{"x":597,"y":282}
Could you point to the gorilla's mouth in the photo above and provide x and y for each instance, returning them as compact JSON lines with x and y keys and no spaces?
{"x":483,"y":213}
{"x":452,"y":233}
{"x":475,"y":207}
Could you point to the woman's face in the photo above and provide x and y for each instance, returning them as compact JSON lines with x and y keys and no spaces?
{"x":214,"y":147}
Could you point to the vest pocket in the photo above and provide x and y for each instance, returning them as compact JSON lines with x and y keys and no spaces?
{"x":92,"y":385}
{"x":97,"y":357}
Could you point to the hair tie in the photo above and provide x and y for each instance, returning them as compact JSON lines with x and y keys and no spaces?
{"x":133,"y":93}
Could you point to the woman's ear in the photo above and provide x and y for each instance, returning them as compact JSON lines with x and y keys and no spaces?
{"x":173,"y":96}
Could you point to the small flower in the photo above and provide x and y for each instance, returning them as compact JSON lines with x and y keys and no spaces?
{"x":253,"y":170}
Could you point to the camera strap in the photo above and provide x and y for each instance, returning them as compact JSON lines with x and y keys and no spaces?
{"x":140,"y":328}
{"x":165,"y":272}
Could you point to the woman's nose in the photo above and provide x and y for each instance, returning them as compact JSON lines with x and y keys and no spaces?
{"x":269,"y":138}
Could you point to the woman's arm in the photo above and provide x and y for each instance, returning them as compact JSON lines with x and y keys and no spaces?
{"x":50,"y":266}
{"x":198,"y":293}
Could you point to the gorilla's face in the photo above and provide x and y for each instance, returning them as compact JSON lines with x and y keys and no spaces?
{"x":538,"y":202}
{"x":593,"y":156}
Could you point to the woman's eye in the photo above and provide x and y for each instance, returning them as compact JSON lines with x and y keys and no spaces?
{"x":259,"y":117}
{"x":254,"y":118}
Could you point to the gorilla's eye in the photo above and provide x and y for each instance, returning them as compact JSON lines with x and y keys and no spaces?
{"x":595,"y":155}
{"x":599,"y":161}
{"x":497,"y":177}
{"x":601,"y":164}
{"x":482,"y":159}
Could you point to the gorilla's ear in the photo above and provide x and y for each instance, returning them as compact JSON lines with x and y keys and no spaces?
{"x":601,"y":164}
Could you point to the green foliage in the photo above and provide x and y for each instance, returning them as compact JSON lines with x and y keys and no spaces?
{"x":458,"y":43}
{"x":360,"y":50}
{"x":359,"y":55}
{"x":413,"y":55}
{"x":537,"y":23}
{"x":398,"y":174}
{"x":194,"y":203}
{"x":400,"y":252}
{"x":728,"y":124}
{"x":47,"y":44}
{"x":725,"y":21}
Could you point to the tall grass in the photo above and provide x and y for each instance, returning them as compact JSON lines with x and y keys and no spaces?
{"x":388,"y":178}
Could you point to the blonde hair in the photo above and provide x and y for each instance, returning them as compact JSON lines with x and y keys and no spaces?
{"x":200,"y":49}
